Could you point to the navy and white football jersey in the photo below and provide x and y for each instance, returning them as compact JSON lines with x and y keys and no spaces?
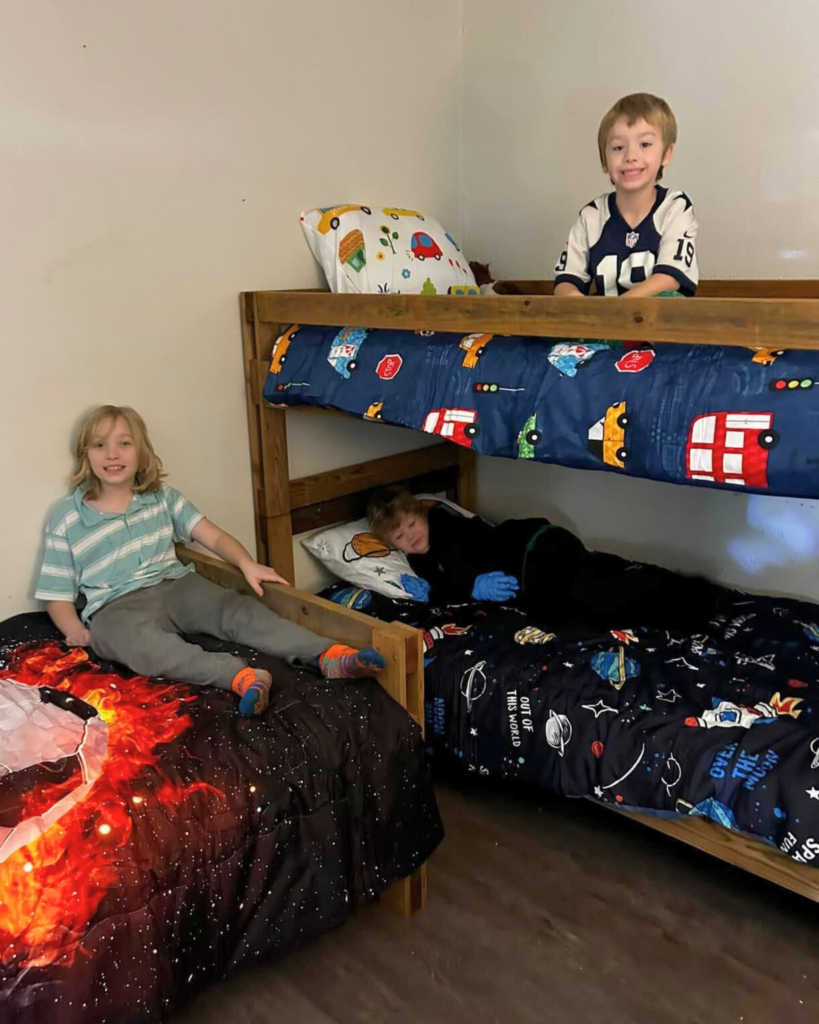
{"x":604,"y":249}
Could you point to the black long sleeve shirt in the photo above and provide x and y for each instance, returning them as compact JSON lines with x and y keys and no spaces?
{"x":461,"y":549}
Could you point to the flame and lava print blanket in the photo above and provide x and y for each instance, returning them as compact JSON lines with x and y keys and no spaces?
{"x":152,"y":841}
{"x":723,"y":725}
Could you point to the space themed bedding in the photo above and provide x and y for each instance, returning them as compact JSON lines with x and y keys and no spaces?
{"x":723,"y":725}
{"x":152,"y":841}
{"x":733,"y":418}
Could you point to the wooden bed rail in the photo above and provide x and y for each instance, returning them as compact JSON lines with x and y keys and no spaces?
{"x":745,"y":852}
{"x":738,"y":288}
{"x":769,"y":323}
{"x":401,"y":645}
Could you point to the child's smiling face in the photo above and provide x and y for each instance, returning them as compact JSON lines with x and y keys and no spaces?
{"x":113,"y":454}
{"x":635,"y":154}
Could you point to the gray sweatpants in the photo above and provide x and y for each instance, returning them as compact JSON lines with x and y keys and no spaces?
{"x":141,"y":630}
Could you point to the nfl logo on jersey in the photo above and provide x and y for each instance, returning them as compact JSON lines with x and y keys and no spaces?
{"x":632,"y":238}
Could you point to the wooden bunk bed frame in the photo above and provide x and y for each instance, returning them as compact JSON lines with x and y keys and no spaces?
{"x":765,"y":314}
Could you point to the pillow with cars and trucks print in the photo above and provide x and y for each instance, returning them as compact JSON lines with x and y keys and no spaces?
{"x":386,"y":250}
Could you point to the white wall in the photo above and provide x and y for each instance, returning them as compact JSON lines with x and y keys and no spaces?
{"x":154,"y":159}
{"x":743,"y":78}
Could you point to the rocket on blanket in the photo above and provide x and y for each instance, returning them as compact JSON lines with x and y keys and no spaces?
{"x":725,"y":714}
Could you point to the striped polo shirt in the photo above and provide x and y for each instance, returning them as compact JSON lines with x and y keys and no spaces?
{"x":104,"y":555}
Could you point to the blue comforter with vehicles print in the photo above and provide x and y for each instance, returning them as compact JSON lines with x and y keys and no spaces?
{"x":741,"y":418}
{"x":722,"y":725}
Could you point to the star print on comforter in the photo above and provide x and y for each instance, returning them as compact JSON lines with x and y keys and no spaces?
{"x":723,"y":725}
{"x":151,"y":841}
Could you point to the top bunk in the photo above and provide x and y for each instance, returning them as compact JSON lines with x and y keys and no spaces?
{"x":721,"y":390}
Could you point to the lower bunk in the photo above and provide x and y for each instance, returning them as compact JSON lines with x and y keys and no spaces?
{"x":152,"y":841}
{"x":683,"y":731}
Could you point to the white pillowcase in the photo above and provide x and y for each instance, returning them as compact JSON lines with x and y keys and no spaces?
{"x":437,"y":499}
{"x":354,"y":554}
{"x":386,"y":250}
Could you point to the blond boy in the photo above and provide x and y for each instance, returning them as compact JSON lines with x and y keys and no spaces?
{"x":640,"y":239}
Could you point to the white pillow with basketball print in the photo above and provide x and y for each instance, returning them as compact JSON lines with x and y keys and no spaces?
{"x":386,"y":250}
{"x":354,"y":554}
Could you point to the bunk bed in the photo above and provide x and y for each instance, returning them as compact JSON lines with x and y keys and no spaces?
{"x":152,"y":841}
{"x":770,"y":316}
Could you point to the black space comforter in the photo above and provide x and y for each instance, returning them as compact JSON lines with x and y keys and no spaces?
{"x":724,"y":724}
{"x":151,"y":841}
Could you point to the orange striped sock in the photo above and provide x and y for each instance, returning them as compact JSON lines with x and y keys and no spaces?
{"x":253,"y":691}
{"x":342,"y":662}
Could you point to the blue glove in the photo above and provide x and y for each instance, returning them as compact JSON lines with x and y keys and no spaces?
{"x":495,"y":586}
{"x":417,"y":588}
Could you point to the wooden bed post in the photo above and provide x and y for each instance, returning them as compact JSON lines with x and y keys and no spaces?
{"x":402,"y":678}
{"x":252,"y":401}
{"x":403,"y":651}
{"x":467,"y":478}
{"x":268,"y":445}
{"x":408,"y":895}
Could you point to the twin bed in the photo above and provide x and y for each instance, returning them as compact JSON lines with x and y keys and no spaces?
{"x":151,"y":841}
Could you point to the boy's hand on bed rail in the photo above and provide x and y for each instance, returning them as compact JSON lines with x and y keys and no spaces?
{"x":495,"y":586}
{"x":210,"y":536}
{"x":257,"y":574}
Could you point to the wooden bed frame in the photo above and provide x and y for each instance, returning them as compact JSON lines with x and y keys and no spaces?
{"x":767,"y":314}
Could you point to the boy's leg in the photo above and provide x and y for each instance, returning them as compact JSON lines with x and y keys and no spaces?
{"x":196,"y":605}
{"x":564,"y":584}
{"x":136,"y":631}
{"x":620,"y":594}
{"x":551,"y":564}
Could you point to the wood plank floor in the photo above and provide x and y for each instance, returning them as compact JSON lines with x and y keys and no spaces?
{"x":550,"y":910}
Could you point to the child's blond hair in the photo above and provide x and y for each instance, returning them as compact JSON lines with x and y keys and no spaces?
{"x":387,"y":508}
{"x":634,"y":107}
{"x":149,"y":473}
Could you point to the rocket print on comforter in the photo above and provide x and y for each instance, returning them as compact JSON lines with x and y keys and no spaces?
{"x":734,"y":418}
{"x":723,"y":725}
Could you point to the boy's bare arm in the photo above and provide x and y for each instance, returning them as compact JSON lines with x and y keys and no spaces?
{"x":210,"y":536}
{"x":566,"y":290}
{"x":652,"y":286}
{"x":64,"y":616}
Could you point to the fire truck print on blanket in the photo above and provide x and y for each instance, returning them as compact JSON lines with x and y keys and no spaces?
{"x":735,"y":418}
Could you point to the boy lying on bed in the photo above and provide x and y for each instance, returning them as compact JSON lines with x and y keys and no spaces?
{"x":540,"y":568}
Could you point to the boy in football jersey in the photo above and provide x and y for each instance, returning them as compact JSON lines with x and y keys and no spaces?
{"x":640,"y":239}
